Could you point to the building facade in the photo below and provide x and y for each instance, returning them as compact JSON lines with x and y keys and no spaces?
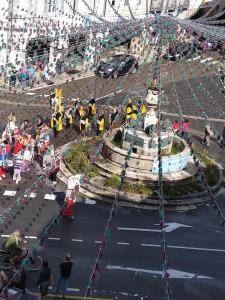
{"x":32,"y":29}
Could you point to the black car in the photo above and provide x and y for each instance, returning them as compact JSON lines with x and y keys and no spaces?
{"x":117,"y":65}
{"x":182,"y":51}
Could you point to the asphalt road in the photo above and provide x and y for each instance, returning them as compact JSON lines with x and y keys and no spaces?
{"x":132,"y":258}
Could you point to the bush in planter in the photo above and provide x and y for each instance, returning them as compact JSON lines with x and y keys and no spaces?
{"x":113,"y":181}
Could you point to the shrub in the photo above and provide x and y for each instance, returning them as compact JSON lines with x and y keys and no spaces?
{"x":113,"y":181}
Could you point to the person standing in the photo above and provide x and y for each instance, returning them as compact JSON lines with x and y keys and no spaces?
{"x":44,"y":279}
{"x":208,"y":133}
{"x":100,"y":124}
{"x":17,"y":168}
{"x":65,"y":269}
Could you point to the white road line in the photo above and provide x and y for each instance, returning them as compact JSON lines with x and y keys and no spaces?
{"x":172,"y":272}
{"x":97,"y":242}
{"x":77,"y":240}
{"x":10,"y":193}
{"x":151,"y":245}
{"x":54,"y":238}
{"x":138,"y":229}
{"x":197,"y":57}
{"x":26,"y":237}
{"x":185,"y":248}
{"x":30,"y":94}
{"x":108,"y":95}
{"x":90,"y":202}
{"x":50,"y":197}
{"x":68,"y":289}
{"x":215,"y":62}
{"x":206,"y":60}
{"x":31,"y":195}
{"x":121,"y":243}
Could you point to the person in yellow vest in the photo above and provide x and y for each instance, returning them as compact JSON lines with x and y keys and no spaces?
{"x":134,"y":114}
{"x":80,"y":111}
{"x":92,"y":107}
{"x":100,"y":124}
{"x":129,"y":109}
{"x":142,"y":108}
{"x":58,"y":92}
{"x":59,"y":122}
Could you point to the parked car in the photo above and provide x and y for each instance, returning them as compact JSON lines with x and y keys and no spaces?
{"x":182,"y":51}
{"x":117,"y":65}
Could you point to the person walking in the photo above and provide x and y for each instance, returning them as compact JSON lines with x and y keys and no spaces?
{"x":208,"y":132}
{"x":44,"y":279}
{"x":65,"y":269}
{"x":17,"y":168}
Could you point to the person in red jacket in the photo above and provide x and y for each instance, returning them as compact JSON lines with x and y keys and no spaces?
{"x":18,"y":146}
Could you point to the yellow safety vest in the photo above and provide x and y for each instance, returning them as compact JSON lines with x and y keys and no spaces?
{"x":58,"y":93}
{"x":128,"y":112}
{"x":143,"y":109}
{"x":101,"y":125}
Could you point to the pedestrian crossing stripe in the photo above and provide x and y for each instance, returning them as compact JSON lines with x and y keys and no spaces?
{"x":206,"y":60}
{"x":30,"y":93}
{"x":10,"y":193}
{"x":50,"y":197}
{"x":31,"y":195}
{"x":91,"y":202}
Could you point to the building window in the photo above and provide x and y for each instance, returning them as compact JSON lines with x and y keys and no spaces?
{"x":51,"y":6}
{"x":126,"y":3}
{"x":113,"y":2}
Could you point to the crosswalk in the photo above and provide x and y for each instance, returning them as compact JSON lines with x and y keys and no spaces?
{"x":205,"y":60}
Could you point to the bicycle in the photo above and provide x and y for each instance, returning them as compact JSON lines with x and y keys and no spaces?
{"x":31,"y":261}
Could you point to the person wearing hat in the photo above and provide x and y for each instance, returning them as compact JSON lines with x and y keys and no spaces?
{"x":92,"y":107}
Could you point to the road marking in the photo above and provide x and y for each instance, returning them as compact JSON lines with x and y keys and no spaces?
{"x":31,"y":237}
{"x":215,"y":62}
{"x":97,"y":242}
{"x":31,"y":195}
{"x":54,"y":238}
{"x":30,"y":93}
{"x":197,"y":57}
{"x":45,"y":96}
{"x":10,"y":193}
{"x":73,"y":297}
{"x":193,"y":117}
{"x":90,"y":202}
{"x":108,"y":95}
{"x":185,"y":248}
{"x":77,"y":240}
{"x":122,"y":243}
{"x":169,"y":228}
{"x":50,"y":197}
{"x":138,"y":229}
{"x":206,"y":60}
{"x":176,"y":274}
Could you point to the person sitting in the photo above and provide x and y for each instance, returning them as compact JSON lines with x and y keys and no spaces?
{"x":15,"y":246}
